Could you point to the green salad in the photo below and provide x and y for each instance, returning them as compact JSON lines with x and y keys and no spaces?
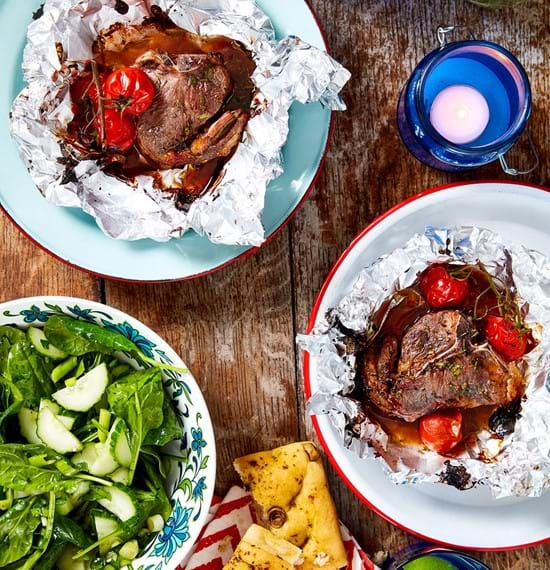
{"x":81,"y":470}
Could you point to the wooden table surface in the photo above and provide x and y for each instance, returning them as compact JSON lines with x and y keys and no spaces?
{"x":235,"y":329}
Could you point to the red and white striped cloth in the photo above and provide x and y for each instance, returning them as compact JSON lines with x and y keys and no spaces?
{"x":229,"y":519}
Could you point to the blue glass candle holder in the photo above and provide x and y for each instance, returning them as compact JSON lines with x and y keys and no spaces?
{"x":423,"y":551}
{"x":488,"y":68}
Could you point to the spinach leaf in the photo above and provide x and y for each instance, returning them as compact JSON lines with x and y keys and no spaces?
{"x":137,"y":399}
{"x":82,"y":337}
{"x":4,"y":351}
{"x":67,"y":530}
{"x":51,"y":556}
{"x":27,"y":374}
{"x":17,"y":526}
{"x":11,"y":410}
{"x":17,"y":472}
{"x":45,"y":535}
{"x":154,"y":481}
{"x":170,"y":428}
{"x":11,"y":334}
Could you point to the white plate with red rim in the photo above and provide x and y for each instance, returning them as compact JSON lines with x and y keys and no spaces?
{"x":439,"y":513}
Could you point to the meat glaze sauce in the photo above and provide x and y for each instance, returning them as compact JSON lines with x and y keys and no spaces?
{"x":162,"y":35}
{"x":401,"y":311}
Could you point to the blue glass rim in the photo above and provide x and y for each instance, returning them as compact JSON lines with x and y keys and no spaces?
{"x":514,"y":131}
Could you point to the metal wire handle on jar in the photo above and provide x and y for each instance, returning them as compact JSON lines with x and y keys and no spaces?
{"x":442,"y":32}
{"x":513,"y":171}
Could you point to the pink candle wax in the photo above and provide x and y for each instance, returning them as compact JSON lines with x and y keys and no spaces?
{"x":459,"y":113}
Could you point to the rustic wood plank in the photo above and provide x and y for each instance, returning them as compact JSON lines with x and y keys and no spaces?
{"x":368,"y":170}
{"x":234,"y":331}
{"x":29,"y":271}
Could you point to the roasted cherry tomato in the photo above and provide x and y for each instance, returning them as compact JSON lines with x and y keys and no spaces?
{"x":441,"y":431}
{"x":120,"y":131}
{"x":440,"y":289}
{"x":505,"y":338}
{"x":130,"y":89}
{"x":84,"y":88}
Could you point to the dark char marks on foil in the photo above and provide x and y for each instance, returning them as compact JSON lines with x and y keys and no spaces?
{"x":503,"y":420}
{"x":121,"y":7}
{"x":39,"y":13}
{"x":457,"y":476}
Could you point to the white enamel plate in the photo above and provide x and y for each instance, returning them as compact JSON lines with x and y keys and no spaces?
{"x":466,"y":519}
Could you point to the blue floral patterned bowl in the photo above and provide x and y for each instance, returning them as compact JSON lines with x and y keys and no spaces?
{"x":190,"y":484}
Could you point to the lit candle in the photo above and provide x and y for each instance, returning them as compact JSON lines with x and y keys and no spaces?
{"x":459,"y":113}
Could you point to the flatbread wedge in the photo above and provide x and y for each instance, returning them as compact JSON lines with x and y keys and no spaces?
{"x":291,"y":494}
{"x":260,"y":549}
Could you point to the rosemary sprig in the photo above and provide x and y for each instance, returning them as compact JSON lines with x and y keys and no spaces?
{"x":506,"y":305}
{"x":95,"y":75}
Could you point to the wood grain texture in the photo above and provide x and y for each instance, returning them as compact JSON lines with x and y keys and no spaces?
{"x":368,"y":170}
{"x":28,"y":271}
{"x":235,"y":329}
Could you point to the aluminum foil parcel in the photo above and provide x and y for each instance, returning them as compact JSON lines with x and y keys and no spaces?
{"x":517,"y":464}
{"x":287,"y":70}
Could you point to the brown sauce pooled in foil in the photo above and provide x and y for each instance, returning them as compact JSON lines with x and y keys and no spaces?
{"x":120,"y":46}
{"x":395,"y":317}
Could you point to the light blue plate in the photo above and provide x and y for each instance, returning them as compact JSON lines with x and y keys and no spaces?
{"x":73,"y":237}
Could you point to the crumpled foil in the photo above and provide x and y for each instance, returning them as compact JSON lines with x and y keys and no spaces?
{"x":288,"y":70}
{"x":518,"y":464}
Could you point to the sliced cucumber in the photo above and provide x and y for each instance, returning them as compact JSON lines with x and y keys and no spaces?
{"x":97,"y":458}
{"x":44,"y":403}
{"x":122,"y":503}
{"x":73,"y":500}
{"x":81,"y":490}
{"x":43,"y":345}
{"x":54,"y":434}
{"x":105,"y":527}
{"x":119,"y":444}
{"x":86,"y":392}
{"x":27,"y":424}
{"x":121,"y":475}
{"x":67,"y":421}
{"x":66,"y":561}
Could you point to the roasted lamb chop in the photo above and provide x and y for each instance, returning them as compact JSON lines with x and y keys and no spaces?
{"x":438,"y":364}
{"x":191,"y":90}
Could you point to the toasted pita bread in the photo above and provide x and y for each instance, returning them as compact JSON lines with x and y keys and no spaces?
{"x":290,"y":489}
{"x":260,"y":549}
